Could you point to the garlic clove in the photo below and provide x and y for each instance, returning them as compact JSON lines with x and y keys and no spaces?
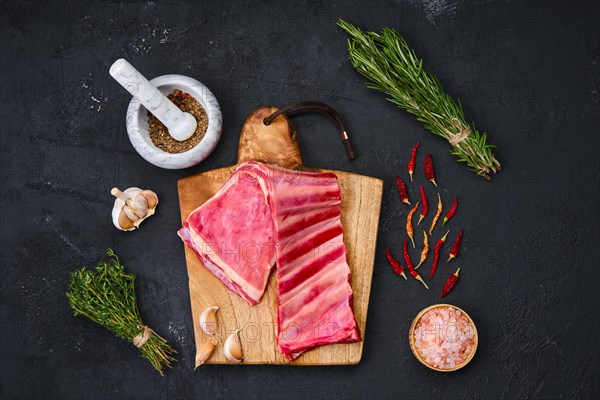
{"x":139,"y":205}
{"x":151,"y":198}
{"x":132,"y":207}
{"x":232,"y":348}
{"x":204,"y":352}
{"x":208,"y":320}
{"x":124,"y":222}
{"x":130,"y":213}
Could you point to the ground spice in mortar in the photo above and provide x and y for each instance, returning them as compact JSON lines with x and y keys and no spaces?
{"x":159,"y":134}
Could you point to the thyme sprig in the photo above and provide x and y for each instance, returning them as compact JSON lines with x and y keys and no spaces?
{"x":107,"y":297}
{"x":393,"y":67}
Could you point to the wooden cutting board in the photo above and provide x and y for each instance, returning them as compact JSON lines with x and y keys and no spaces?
{"x":361,"y":203}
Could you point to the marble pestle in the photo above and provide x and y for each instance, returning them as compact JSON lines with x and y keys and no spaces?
{"x":181,"y":125}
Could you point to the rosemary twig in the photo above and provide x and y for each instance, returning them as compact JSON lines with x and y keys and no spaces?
{"x":393,"y":67}
{"x":107,"y":296}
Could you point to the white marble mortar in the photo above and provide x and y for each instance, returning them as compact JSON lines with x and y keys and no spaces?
{"x":137,"y":124}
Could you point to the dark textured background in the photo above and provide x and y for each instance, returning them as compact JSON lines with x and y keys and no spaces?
{"x":526,"y":72}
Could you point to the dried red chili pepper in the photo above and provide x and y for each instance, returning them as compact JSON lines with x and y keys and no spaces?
{"x":424,"y":202}
{"x":450,"y":282}
{"x":428,"y":168}
{"x":402,"y":190}
{"x":409,"y":265}
{"x":456,"y":246}
{"x":409,"y":227}
{"x":425,"y":250}
{"x":437,"y":214}
{"x":451,"y":212}
{"x":396,"y":266}
{"x":412,"y":161}
{"x":436,"y":254}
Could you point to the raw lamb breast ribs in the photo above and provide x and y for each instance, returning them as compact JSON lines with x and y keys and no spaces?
{"x":314,"y":297}
{"x":233,"y":235}
{"x":296,"y":214}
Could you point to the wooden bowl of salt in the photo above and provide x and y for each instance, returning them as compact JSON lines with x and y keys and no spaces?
{"x":443,"y":337}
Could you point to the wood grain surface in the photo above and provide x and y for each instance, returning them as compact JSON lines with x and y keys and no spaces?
{"x":361,"y":202}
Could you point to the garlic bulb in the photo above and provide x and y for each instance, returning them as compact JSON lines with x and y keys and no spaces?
{"x":233,"y":348}
{"x":132,"y":206}
{"x":208,"y":320}
{"x":204,"y":351}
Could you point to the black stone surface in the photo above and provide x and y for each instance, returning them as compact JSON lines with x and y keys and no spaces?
{"x":526,"y":72}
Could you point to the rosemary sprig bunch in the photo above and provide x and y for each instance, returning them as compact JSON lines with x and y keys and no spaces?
{"x":107,"y":296}
{"x":393,"y":67}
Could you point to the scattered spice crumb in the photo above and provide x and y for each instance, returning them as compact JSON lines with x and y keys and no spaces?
{"x":159,"y":134}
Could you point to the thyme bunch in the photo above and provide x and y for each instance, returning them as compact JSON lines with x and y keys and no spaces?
{"x":393,"y":67}
{"x":107,"y":297}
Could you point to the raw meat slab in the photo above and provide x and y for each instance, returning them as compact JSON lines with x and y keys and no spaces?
{"x":233,"y":234}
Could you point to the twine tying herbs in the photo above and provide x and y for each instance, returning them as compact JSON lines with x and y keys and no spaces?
{"x":463,"y":133}
{"x":143,"y":337}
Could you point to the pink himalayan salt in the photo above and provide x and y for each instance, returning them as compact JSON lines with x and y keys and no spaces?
{"x":444,"y":337}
